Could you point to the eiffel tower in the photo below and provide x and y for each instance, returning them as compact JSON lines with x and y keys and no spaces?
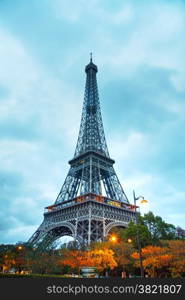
{"x":91,"y":201}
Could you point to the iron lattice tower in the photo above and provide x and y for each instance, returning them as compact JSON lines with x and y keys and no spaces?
{"x":91,"y":201}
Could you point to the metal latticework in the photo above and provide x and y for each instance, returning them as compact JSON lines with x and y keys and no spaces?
{"x":91,"y":135}
{"x":91,"y":168}
{"x":91,"y":201}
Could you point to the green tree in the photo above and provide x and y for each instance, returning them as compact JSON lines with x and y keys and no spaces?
{"x":151,"y":230}
{"x":131,"y":233}
{"x":158,"y":228}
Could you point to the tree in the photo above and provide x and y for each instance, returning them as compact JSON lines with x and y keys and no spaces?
{"x":177,"y":250}
{"x":44,"y":262}
{"x":131,"y":233}
{"x":41,"y":259}
{"x":151,"y":229}
{"x":76,"y":259}
{"x":158,"y":228}
{"x":103,"y":259}
{"x":3,"y":252}
{"x":8,"y":261}
{"x":156,"y":260}
{"x":122,"y":252}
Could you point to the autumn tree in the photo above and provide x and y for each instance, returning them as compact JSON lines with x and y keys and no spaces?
{"x":8,"y":261}
{"x":4,"y":251}
{"x":156,"y":260}
{"x":76,"y":259}
{"x":103,"y":259}
{"x":122,"y":252}
{"x":177,"y":251}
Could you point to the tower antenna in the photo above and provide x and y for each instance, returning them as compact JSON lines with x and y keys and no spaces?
{"x":91,"y":57}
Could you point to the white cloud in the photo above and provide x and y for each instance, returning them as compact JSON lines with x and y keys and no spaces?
{"x":18,"y":70}
{"x":71,"y":10}
{"x":124,"y":16}
{"x":164,"y":199}
{"x":139,"y":165}
{"x":32,"y":91}
{"x":126,"y":146}
{"x":19,"y":234}
{"x":154,"y":38}
{"x":48,"y":105}
{"x":131,"y":35}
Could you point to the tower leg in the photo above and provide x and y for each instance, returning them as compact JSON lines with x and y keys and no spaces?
{"x":89,"y":232}
{"x":75,"y":234}
{"x":104,"y":234}
{"x":89,"y":225}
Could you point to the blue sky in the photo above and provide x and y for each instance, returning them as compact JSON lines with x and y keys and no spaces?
{"x":139,"y":48}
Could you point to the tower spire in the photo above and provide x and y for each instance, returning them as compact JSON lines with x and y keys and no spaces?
{"x":91,"y":135}
{"x":91,"y":167}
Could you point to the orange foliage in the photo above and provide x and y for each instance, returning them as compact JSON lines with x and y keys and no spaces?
{"x":8,"y":261}
{"x":76,"y":259}
{"x":177,"y":250}
{"x":101,"y":259}
{"x":155,"y":259}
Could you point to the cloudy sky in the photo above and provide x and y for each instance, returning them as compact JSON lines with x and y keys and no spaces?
{"x":139,"y":48}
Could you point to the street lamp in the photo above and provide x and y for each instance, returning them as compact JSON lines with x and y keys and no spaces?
{"x":113,"y":238}
{"x":143,"y":201}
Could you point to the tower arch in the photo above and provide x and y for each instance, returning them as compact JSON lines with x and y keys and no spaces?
{"x":115,"y":225}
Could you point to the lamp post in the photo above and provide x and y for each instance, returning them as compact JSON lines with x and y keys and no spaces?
{"x":137,"y":232}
